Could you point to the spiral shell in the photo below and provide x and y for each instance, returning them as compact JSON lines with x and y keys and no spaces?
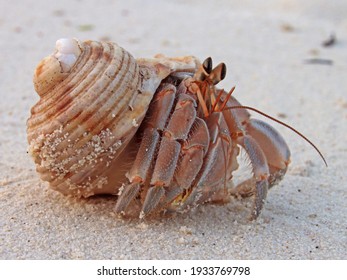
{"x":93,"y":96}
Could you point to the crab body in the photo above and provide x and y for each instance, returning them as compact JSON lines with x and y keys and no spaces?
{"x":188,"y":148}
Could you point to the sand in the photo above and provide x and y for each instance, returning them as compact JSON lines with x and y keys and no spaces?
{"x":268,"y":48}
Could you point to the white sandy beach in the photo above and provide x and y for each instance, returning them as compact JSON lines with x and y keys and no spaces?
{"x":266,"y":46}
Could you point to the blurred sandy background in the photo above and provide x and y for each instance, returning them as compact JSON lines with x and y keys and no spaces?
{"x":267,"y":46}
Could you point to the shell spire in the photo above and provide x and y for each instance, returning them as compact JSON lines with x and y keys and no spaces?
{"x":67,"y":53}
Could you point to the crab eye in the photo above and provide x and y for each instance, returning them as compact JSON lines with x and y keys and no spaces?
{"x":223,"y":71}
{"x":207,"y":65}
{"x":218,"y":73}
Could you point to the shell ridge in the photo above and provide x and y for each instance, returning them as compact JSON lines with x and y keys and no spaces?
{"x":83,"y":118}
{"x":98,"y":104}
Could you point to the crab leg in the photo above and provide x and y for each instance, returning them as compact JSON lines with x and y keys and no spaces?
{"x":138,"y":172}
{"x":258,"y":185}
{"x":274,"y":147}
{"x":191,"y":159}
{"x":129,"y":192}
{"x":192,"y":154}
{"x":216,"y":166}
{"x":177,"y":130}
{"x":160,"y":109}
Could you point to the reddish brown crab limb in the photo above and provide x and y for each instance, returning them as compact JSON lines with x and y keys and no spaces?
{"x":274,"y":147}
{"x":260,"y":168}
{"x":152,"y":199}
{"x":192,"y":154}
{"x":269,"y":155}
{"x":218,"y":164}
{"x":148,"y":147}
{"x":268,"y":152}
{"x":191,"y":159}
{"x":127,"y":195}
{"x":177,"y":130}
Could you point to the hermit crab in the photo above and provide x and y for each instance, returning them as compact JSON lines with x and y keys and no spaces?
{"x":156,"y":132}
